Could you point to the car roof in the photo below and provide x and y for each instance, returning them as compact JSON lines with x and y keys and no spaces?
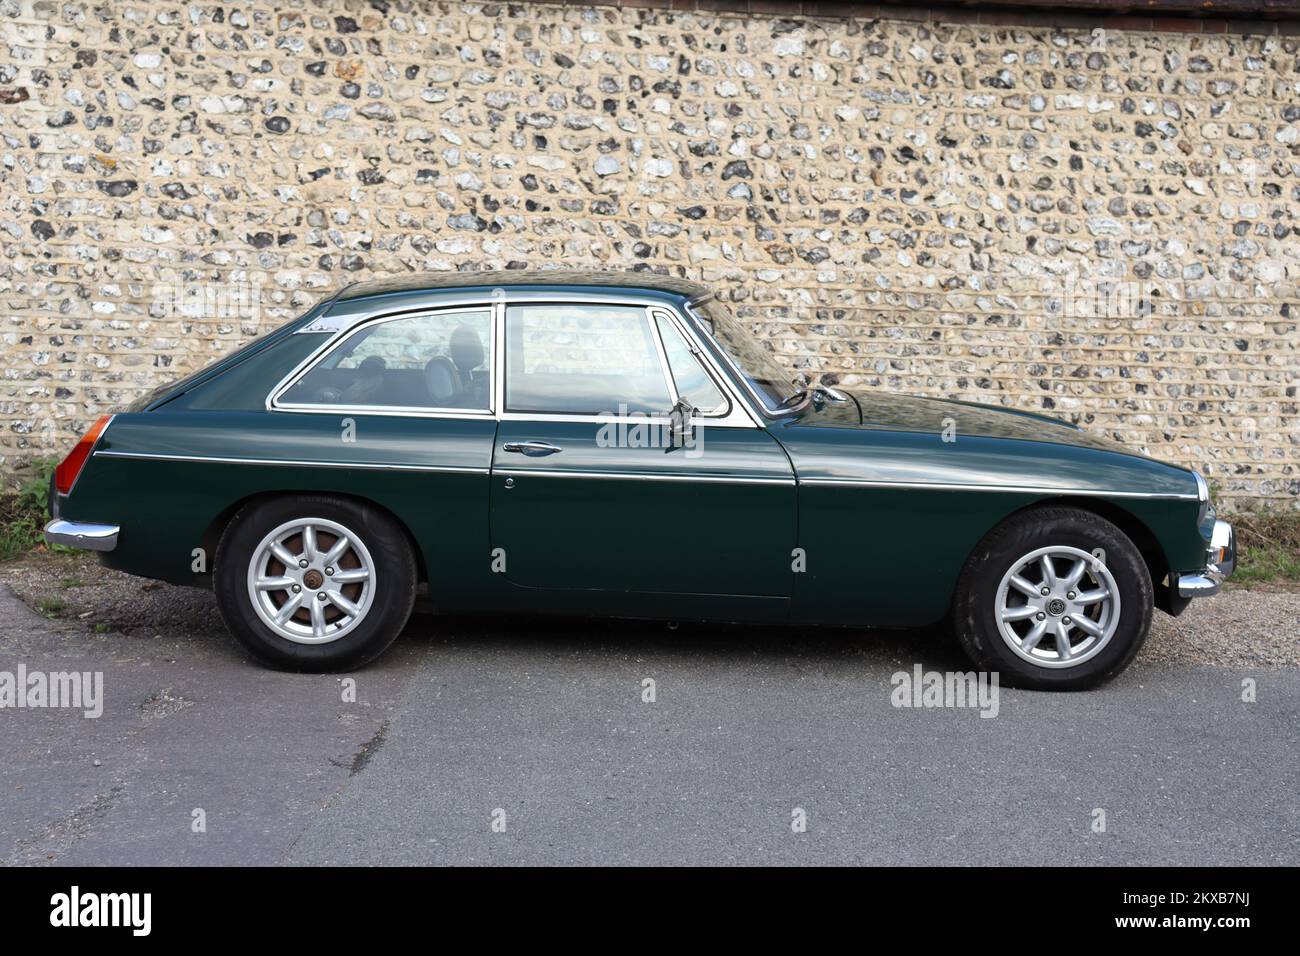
{"x":515,"y":278}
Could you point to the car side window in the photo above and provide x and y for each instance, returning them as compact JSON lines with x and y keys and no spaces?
{"x":436,"y":360}
{"x":583,"y":360}
{"x":693,"y":383}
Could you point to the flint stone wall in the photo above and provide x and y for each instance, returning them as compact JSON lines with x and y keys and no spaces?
{"x":1098,"y":224}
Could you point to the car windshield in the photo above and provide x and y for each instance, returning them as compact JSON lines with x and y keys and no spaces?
{"x":765,"y":376}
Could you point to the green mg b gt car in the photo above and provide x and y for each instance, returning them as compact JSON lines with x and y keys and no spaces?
{"x":619,"y":445}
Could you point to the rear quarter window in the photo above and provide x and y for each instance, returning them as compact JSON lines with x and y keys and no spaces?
{"x":438,"y":360}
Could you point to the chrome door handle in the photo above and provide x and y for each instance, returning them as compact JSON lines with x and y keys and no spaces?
{"x":533,"y":448}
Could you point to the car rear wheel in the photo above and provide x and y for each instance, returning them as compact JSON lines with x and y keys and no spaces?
{"x":1054,"y":599}
{"x":314,"y":583}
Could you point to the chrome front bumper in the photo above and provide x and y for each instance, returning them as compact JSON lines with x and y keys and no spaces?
{"x":1220,"y":560}
{"x":81,"y":534}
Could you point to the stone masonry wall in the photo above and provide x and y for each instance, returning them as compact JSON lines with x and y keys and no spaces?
{"x":1096,"y":223}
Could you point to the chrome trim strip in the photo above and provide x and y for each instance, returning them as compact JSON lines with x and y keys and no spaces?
{"x":458,"y":469}
{"x":367,"y":465}
{"x":621,"y":475}
{"x":498,"y":380}
{"x":698,"y":421}
{"x":384,"y":411}
{"x":82,"y":534}
{"x":1023,"y":489}
{"x":455,"y":470}
{"x":652,"y":328}
{"x":340,"y":322}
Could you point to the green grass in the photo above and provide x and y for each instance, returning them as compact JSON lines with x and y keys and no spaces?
{"x":18,"y":533}
{"x":22,"y":515}
{"x":50,"y":606}
{"x":1268,"y":546}
{"x":20,"y":529}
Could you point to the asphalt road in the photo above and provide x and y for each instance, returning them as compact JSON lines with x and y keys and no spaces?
{"x":469,"y":723}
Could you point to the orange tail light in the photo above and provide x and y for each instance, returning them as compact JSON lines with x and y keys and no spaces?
{"x":66,"y":474}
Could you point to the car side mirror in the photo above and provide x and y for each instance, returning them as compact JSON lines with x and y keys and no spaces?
{"x":681,"y":431}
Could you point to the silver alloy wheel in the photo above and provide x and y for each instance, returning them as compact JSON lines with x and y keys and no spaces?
{"x":311,"y":580}
{"x":1057,"y":607}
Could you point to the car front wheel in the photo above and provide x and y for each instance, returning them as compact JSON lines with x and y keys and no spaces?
{"x":1054,"y":599}
{"x":314,"y":583}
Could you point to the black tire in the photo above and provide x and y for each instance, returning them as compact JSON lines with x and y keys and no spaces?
{"x":394,"y":582}
{"x":974,"y":610}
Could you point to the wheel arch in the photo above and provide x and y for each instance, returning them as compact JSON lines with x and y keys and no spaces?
{"x":220,"y":522}
{"x":1132,"y":525}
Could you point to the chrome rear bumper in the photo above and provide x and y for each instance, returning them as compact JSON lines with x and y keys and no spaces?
{"x":1220,"y":560}
{"x":82,"y":534}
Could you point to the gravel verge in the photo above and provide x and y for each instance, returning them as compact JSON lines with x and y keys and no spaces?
{"x":1241,"y":627}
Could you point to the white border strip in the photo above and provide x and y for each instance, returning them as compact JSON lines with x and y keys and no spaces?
{"x":631,"y":476}
{"x":367,"y":465}
{"x":1019,"y":489}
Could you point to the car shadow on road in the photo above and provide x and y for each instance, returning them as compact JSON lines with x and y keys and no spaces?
{"x":933,"y":647}
{"x":128,"y":619}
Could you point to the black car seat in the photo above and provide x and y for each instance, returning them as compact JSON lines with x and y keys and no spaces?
{"x":368,"y":386}
{"x":442,"y":381}
{"x":466,"y":350}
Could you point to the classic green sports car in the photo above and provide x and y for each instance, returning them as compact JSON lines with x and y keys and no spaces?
{"x":618,"y":445}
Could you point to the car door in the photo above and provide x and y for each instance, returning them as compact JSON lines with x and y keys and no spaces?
{"x":408,"y":399}
{"x":589,"y":493}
